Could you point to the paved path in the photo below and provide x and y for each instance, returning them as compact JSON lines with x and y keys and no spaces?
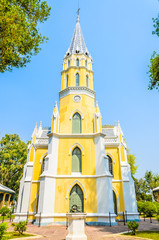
{"x":57,"y":232}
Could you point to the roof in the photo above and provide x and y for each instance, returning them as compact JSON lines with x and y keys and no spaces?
{"x":77,"y":45}
{"x":156,"y":189}
{"x":6,"y":189}
{"x":109,"y":132}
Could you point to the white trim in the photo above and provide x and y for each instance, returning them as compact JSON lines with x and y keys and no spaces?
{"x":77,"y":90}
{"x":64,"y":215}
{"x":115,"y":181}
{"x":77,"y":71}
{"x":75,"y":112}
{"x":42,"y":157}
{"x":109,"y":154}
{"x":80,"y":184}
{"x":45,"y":174}
{"x":80,"y":135}
{"x":76,"y":144}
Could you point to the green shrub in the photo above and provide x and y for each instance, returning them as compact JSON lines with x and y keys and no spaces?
{"x":157,"y":218}
{"x":149,"y":209}
{"x":133,"y":226}
{"x":140,"y":207}
{"x":20,"y":227}
{"x":3,"y":228}
{"x":157,"y":207}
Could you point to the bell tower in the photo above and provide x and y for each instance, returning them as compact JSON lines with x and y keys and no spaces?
{"x":76,"y":171}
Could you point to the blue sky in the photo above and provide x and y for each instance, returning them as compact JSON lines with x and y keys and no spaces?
{"x":118,"y":34}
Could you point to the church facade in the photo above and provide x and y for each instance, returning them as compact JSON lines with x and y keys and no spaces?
{"x":77,"y":165}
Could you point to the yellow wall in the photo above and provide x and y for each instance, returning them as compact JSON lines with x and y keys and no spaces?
{"x":68,"y":106}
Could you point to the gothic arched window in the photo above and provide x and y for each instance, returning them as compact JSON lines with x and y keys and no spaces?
{"x":87,"y":80}
{"x":68,"y":63}
{"x":110,"y":164}
{"x":76,"y":123}
{"x":66,"y":80}
{"x":77,"y":79}
{"x":85,"y":63}
{"x":77,"y":62}
{"x":76,"y":160}
{"x":43,"y":165}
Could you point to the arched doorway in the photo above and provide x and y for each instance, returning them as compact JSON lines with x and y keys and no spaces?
{"x":115,"y":203}
{"x":76,"y":199}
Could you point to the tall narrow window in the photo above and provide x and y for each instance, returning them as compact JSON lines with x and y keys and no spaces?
{"x":76,"y":160}
{"x":110,"y":164}
{"x":77,"y":79}
{"x":43,"y":165}
{"x":87,"y":81}
{"x":66,"y":80}
{"x":68,"y":63}
{"x":115,"y":203}
{"x":86,"y":63}
{"x":76,"y":123}
{"x":77,"y":62}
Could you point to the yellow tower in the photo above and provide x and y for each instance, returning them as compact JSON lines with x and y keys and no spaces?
{"x":76,"y":165}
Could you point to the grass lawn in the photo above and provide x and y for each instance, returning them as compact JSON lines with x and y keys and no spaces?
{"x":11,"y":235}
{"x":147,"y":234}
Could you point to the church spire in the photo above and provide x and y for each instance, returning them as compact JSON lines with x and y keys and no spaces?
{"x":77,"y":45}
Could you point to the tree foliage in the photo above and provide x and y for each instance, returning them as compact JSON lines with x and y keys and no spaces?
{"x":144,"y":186}
{"x":154,"y":71}
{"x":132,"y":162}
{"x":154,"y":61}
{"x":19,"y":35}
{"x":13,"y":155}
{"x":3,"y":228}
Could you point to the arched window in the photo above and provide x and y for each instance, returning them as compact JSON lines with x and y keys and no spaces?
{"x":76,"y":123}
{"x":115,"y":203}
{"x":77,"y":62}
{"x":110,"y":164}
{"x":76,"y":199}
{"x":68,"y":63}
{"x":77,"y":79}
{"x":43,"y":165}
{"x":87,"y":80}
{"x":85,"y":63}
{"x":66,"y":80}
{"x":76,"y":160}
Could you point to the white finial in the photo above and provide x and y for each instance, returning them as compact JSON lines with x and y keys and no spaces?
{"x":40,"y":127}
{"x":118,"y":123}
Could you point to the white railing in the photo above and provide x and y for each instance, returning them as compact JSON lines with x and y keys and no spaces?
{"x":41,"y":141}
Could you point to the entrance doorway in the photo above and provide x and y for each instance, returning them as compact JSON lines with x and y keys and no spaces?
{"x":76,"y":199}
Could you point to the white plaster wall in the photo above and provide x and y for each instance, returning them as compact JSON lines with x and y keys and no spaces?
{"x":48,"y":183}
{"x":104,"y":195}
{"x":129,"y":190}
{"x":104,"y":184}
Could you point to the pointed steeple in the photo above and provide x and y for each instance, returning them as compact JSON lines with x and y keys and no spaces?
{"x":77,"y":45}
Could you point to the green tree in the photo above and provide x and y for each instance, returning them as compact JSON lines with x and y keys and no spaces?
{"x":154,"y":61}
{"x":132,"y":162}
{"x":13,"y":155}
{"x":19,"y":35}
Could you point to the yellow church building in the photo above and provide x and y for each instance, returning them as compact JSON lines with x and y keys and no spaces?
{"x":77,"y":165}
